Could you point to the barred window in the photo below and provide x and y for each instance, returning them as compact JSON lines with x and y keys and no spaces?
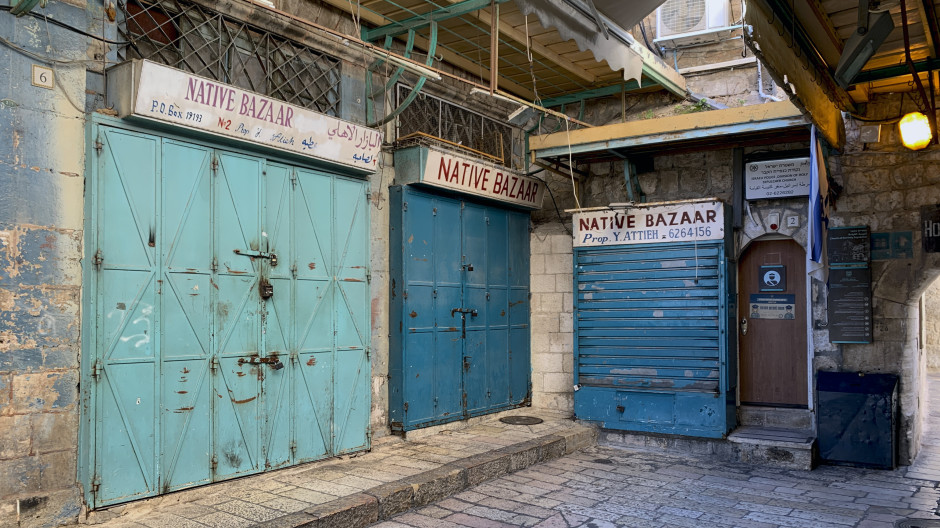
{"x":207,"y":43}
{"x":444,"y":120}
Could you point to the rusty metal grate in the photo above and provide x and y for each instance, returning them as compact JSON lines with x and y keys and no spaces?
{"x":207,"y":43}
{"x":521,"y":420}
{"x":917,"y":523}
{"x":448,"y":121}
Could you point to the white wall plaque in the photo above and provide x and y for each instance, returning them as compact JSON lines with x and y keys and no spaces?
{"x":447,"y":170}
{"x":172,"y":96}
{"x":777,"y":178}
{"x":674,"y":222}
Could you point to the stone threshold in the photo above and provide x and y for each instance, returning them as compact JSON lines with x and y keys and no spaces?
{"x":385,"y":501}
{"x":776,"y":447}
{"x":362,"y":488}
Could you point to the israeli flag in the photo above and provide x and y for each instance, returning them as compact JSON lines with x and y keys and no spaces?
{"x":818,"y":197}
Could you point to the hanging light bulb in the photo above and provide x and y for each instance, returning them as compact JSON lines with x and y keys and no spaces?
{"x":915,"y":131}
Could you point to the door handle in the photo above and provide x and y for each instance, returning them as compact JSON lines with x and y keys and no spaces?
{"x":744,"y":326}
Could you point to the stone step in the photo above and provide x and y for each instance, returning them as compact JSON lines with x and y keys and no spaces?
{"x":776,"y":447}
{"x":787,"y":448}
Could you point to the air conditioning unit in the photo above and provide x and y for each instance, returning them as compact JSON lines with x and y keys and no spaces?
{"x":691,"y":21}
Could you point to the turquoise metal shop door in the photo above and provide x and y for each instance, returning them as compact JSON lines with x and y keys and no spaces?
{"x":460,"y":285}
{"x":229,"y":315}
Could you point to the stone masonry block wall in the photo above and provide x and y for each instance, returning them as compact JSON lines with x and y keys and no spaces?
{"x":551,"y":318}
{"x":932,"y":323}
{"x":41,"y":203}
{"x":884,"y":186}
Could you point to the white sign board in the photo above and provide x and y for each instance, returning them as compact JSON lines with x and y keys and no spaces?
{"x":173,"y":96}
{"x":675,"y":222}
{"x":444,"y":169}
{"x":776,"y":179}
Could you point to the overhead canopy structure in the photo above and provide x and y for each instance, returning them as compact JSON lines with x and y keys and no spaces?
{"x":805,"y":41}
{"x":770,"y":122}
{"x":532,"y":49}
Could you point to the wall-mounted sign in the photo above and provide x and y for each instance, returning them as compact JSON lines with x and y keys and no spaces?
{"x":848,"y":246}
{"x":892,"y":245}
{"x":776,"y":178}
{"x":644,"y":224}
{"x":771,"y":306}
{"x":459,"y":173}
{"x":850,"y":305}
{"x":151,"y":91}
{"x":772,"y":278}
{"x":930,"y":220}
{"x":449,"y":170}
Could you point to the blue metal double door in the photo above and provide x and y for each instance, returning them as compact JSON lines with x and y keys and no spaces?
{"x":464,"y":342}
{"x":229,"y":315}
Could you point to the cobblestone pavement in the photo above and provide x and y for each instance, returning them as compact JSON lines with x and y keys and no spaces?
{"x":601,"y":487}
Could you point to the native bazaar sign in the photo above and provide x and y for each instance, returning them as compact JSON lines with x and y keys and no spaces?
{"x":673,"y":222}
{"x":169,"y":95}
{"x":458,"y":173}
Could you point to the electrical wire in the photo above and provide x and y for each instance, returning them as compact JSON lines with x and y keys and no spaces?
{"x":44,"y":58}
{"x":55,"y":70}
{"x":561,"y":219}
{"x":574,"y":189}
{"x":69,"y":27}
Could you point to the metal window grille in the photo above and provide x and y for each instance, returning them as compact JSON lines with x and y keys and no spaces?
{"x":207,"y":43}
{"x":448,"y":121}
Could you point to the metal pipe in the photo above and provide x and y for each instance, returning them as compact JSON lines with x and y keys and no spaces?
{"x":760,"y":85}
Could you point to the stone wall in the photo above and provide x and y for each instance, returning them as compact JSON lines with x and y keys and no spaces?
{"x":931,"y":330}
{"x":41,"y":220}
{"x":551,"y":318}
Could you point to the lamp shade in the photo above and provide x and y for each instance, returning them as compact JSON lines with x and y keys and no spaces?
{"x":915,"y":131}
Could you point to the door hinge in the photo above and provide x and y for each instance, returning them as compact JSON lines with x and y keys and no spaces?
{"x":95,"y":484}
{"x":215,"y":264}
{"x":369,"y":276}
{"x":405,"y":406}
{"x":96,"y":369}
{"x":369,"y":353}
{"x":215,"y":164}
{"x":99,"y":259}
{"x":434,"y":294}
{"x":369,"y":195}
{"x":293,"y":179}
{"x":98,"y":145}
{"x":214,"y":363}
{"x":213,"y":462}
{"x":404,"y":294}
{"x":404,"y":206}
{"x":487,"y":220}
{"x":293,"y":270}
{"x":293,"y":447}
{"x":434,"y":212}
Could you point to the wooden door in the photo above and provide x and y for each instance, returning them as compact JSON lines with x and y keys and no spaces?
{"x":772,"y":324}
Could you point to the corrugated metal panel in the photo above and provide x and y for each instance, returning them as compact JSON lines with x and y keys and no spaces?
{"x":652,"y":337}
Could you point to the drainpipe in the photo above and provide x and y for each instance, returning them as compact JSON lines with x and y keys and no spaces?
{"x":760,"y":85}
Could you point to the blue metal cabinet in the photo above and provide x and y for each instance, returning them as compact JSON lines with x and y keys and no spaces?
{"x":654,"y":343}
{"x":228,"y":315}
{"x":459,"y":309}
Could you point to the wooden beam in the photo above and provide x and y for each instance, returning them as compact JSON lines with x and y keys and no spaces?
{"x":448,"y":56}
{"x":773,"y":47}
{"x":928,"y":17}
{"x":541,"y":49}
{"x":676,"y":127}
